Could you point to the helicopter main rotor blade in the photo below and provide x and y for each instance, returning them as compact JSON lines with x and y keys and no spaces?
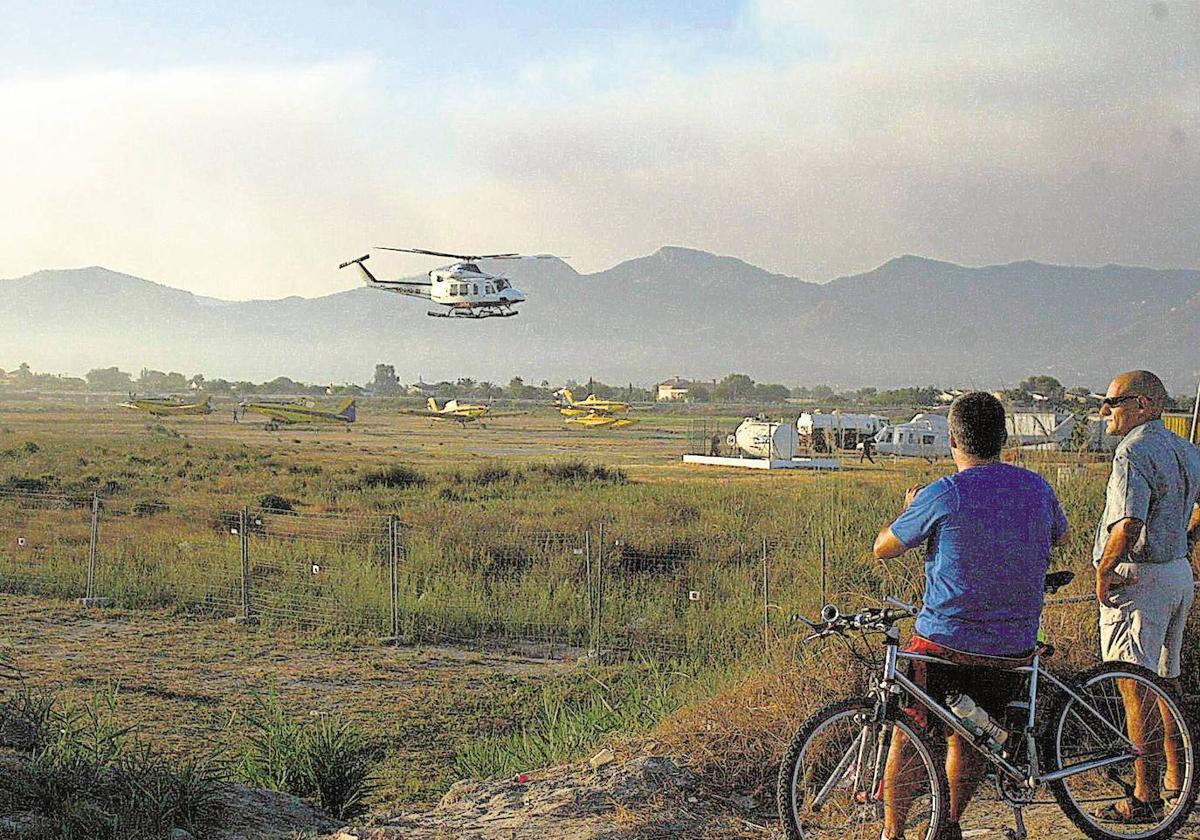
{"x":463,"y":257}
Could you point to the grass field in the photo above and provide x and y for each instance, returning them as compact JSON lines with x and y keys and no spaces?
{"x":492,"y":520}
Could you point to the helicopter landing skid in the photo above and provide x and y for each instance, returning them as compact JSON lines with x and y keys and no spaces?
{"x":473,"y":314}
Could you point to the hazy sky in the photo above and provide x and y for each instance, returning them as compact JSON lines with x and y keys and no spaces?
{"x":245,"y":149}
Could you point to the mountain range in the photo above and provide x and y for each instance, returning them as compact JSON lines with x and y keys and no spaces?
{"x":678,"y":311}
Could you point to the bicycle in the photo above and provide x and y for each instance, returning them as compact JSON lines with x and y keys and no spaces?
{"x":1072,"y":738}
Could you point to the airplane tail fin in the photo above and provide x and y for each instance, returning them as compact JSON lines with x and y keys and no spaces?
{"x":363,"y":271}
{"x":568,"y":396}
{"x":346,"y":410}
{"x":433,"y":406}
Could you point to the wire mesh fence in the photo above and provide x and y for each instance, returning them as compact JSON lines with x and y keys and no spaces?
{"x":598,"y":591}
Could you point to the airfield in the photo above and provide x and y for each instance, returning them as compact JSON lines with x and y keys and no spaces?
{"x":443,"y":706}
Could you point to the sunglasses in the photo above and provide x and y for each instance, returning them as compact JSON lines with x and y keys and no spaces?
{"x":1113,"y":402}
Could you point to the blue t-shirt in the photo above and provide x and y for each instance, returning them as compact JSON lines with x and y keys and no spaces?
{"x":989,"y":530}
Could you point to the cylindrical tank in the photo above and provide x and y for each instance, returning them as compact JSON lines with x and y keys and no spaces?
{"x":764,"y":439}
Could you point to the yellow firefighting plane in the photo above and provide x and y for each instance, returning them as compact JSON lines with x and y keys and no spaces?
{"x":461,"y":412}
{"x":287,"y":412}
{"x":593,"y":413}
{"x":168,"y":406}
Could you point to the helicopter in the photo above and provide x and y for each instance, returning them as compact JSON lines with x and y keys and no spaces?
{"x":462,"y":287}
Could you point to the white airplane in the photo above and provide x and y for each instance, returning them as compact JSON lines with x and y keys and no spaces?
{"x":462,"y":287}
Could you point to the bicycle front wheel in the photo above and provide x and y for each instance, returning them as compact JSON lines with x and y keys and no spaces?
{"x":1127,"y":726}
{"x":844,"y":776}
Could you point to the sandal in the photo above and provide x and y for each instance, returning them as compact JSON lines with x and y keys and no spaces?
{"x":1170,"y":798}
{"x":1140,"y":813}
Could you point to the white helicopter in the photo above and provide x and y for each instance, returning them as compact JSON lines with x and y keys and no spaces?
{"x":467,"y":291}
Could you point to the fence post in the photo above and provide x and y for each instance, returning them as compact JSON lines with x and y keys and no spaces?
{"x":600,"y":598}
{"x":93,"y":549}
{"x":394,"y":574}
{"x":244,"y":536}
{"x":766,"y":605}
{"x":587,"y":574}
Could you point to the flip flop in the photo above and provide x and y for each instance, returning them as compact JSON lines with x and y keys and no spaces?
{"x":1140,"y":813}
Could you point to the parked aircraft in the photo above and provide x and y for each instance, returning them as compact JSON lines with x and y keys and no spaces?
{"x":597,"y":420}
{"x":462,"y":287}
{"x":287,"y":412}
{"x":168,"y":406}
{"x":460,"y":412}
{"x":570,"y":407}
{"x":924,"y":436}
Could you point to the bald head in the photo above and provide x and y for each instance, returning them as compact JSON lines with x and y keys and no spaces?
{"x":1145,"y":383}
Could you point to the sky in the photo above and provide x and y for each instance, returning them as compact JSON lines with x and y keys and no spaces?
{"x":245,"y":150}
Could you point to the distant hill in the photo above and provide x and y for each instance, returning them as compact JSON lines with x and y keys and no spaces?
{"x":909,"y":321}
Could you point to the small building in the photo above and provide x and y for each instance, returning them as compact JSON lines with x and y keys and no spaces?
{"x":675,"y":388}
{"x":1180,"y":424}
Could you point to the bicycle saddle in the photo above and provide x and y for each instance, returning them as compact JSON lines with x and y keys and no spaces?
{"x":1057,"y":580}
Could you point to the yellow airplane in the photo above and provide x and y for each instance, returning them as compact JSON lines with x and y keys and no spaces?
{"x":168,"y":406}
{"x":570,"y":407}
{"x":284,"y":413}
{"x":460,"y":412}
{"x":596,"y":420}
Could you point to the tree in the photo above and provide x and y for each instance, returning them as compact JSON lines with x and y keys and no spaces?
{"x":516,"y":388}
{"x":109,"y":379}
{"x":771,"y":393}
{"x":1046,"y":386}
{"x":736,"y":387}
{"x":385,"y":381}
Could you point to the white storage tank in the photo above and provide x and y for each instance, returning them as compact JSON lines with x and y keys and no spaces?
{"x":766,"y":439}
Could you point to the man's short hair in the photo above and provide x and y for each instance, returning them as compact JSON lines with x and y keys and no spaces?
{"x":1149,"y":386}
{"x":977,"y":424}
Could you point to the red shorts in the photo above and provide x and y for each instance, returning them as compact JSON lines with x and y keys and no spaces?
{"x":988,"y":680}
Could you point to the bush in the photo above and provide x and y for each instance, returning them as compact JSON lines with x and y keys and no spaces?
{"x":149,"y":507}
{"x":18,"y":484}
{"x":580,"y":472}
{"x":88,"y":779}
{"x":275,"y":504}
{"x":394,"y":477}
{"x":328,"y":763}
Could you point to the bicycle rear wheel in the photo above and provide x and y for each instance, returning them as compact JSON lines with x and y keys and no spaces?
{"x":832,"y":784}
{"x":1114,"y":727}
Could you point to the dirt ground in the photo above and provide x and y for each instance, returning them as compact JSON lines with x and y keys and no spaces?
{"x":182,"y":682}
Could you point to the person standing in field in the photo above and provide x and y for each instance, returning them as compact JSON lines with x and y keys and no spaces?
{"x":989,"y":528}
{"x":1143,"y":574}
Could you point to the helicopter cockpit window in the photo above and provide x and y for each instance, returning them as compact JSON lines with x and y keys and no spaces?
{"x":501,"y":284}
{"x":474,"y":269}
{"x":474,"y":288}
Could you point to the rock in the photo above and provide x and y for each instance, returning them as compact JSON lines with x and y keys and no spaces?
{"x":456,"y":792}
{"x":605,"y":756}
{"x":744,"y":803}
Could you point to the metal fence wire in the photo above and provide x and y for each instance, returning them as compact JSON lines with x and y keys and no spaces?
{"x":46,"y":543}
{"x":597,"y":591}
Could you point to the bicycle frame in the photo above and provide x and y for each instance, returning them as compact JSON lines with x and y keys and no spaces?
{"x":893,"y":681}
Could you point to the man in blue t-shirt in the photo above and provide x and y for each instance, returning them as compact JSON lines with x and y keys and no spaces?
{"x":988,"y":530}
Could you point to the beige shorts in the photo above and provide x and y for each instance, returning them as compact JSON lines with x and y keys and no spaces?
{"x":1146,"y":626}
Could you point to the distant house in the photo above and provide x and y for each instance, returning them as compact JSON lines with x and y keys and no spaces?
{"x":674,"y":388}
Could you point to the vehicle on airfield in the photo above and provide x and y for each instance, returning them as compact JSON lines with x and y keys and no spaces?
{"x":466,"y":290}
{"x":568,"y":406}
{"x":460,"y":412}
{"x":286,"y":412}
{"x":924,"y":436}
{"x":168,"y":406}
{"x":593,"y":412}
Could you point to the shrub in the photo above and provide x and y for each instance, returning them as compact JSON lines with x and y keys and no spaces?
{"x":328,"y":762}
{"x":18,"y":484}
{"x":31,"y":447}
{"x":580,"y":472}
{"x":395,"y":476}
{"x":149,"y":507}
{"x":275,"y":504}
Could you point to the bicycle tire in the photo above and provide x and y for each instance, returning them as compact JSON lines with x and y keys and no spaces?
{"x":1072,"y":730}
{"x":854,"y":714}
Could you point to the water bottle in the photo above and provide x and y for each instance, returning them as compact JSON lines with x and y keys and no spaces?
{"x":977,"y":721}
